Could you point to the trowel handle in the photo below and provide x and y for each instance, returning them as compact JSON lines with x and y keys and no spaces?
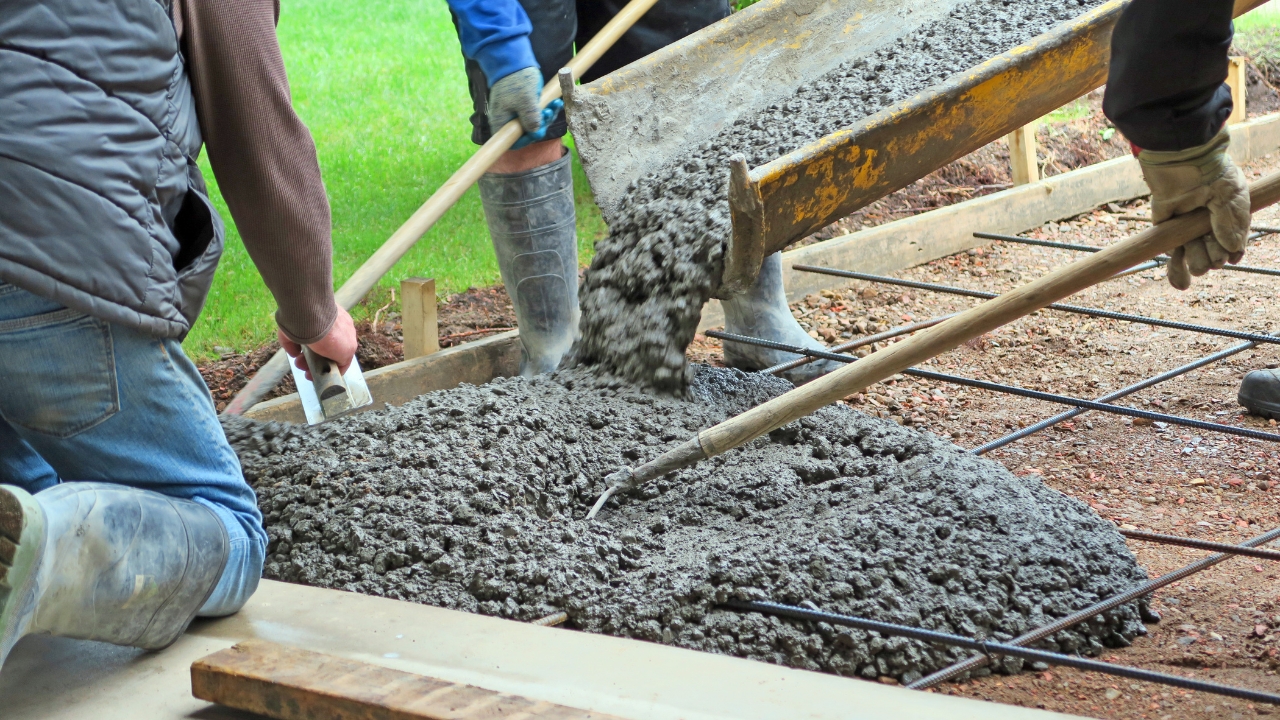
{"x":324,"y":375}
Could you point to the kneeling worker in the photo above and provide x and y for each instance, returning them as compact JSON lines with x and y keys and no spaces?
{"x":123,"y":510}
{"x":512,"y":48}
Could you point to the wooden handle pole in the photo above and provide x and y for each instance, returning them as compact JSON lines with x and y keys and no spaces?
{"x":984,"y":318}
{"x":959,"y":329}
{"x":404,"y":238}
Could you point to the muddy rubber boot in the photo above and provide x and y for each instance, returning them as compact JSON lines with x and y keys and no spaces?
{"x":762,"y":312}
{"x":531,"y":220}
{"x":97,"y":561}
{"x":1260,"y":393}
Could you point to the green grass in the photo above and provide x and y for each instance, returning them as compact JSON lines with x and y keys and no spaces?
{"x":1265,"y":16}
{"x":381,"y":86}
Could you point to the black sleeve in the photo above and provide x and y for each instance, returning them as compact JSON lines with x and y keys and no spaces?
{"x":1165,"y":88}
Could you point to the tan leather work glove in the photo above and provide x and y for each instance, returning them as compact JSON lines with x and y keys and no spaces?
{"x":1185,"y":180}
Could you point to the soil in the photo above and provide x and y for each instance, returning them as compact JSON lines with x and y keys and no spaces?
{"x":644,"y":291}
{"x":474,"y":499}
{"x":463,"y":317}
{"x":1222,"y":624}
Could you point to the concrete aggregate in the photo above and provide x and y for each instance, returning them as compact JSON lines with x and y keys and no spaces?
{"x":473,"y":499}
{"x":643,"y":294}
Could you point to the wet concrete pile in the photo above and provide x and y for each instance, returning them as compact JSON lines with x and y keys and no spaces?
{"x":642,"y":297}
{"x":473,"y":498}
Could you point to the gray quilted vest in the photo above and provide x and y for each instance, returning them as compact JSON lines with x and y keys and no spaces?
{"x":102,"y":208}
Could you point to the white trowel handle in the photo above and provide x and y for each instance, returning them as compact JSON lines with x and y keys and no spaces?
{"x":324,"y":375}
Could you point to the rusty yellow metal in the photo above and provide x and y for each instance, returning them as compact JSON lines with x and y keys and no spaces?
{"x":849,"y":169}
{"x":658,"y":109}
{"x":809,"y":188}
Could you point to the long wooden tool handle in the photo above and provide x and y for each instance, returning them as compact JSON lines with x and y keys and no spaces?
{"x":963,"y":327}
{"x":404,"y":238}
{"x":984,"y":318}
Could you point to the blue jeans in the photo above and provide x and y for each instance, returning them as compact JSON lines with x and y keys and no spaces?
{"x":83,"y":399}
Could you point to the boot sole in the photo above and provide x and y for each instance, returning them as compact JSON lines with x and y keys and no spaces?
{"x":22,"y":539}
{"x":1262,"y":408}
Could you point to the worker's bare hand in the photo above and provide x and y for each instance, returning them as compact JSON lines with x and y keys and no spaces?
{"x":339,"y":344}
{"x":1198,"y":177}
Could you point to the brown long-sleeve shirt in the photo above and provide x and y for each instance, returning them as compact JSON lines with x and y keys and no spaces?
{"x":262,"y":155}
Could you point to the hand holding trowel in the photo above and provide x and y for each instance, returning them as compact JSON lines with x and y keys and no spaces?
{"x":328,"y":387}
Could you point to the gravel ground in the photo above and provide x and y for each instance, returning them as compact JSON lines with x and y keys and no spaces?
{"x":1223,"y":624}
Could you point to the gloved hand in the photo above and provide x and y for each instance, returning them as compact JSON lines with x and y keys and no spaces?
{"x":516,"y":96}
{"x":1203,"y":176}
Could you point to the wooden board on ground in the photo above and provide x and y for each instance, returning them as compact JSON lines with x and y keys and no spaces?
{"x":287,"y":683}
{"x":476,"y":363}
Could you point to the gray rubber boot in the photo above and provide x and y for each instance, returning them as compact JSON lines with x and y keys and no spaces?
{"x":532,"y":223}
{"x":97,"y":561}
{"x":762,"y":312}
{"x":1260,"y":393}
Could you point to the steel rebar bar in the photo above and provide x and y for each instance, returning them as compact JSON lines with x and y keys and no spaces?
{"x":989,"y":648}
{"x":551,"y":620}
{"x":1014,"y":390}
{"x":1259,"y":229}
{"x":1077,"y":309}
{"x":859,"y":342}
{"x":1122,"y":392}
{"x":1079,"y":616}
{"x":1200,"y":544}
{"x":1158,"y":260}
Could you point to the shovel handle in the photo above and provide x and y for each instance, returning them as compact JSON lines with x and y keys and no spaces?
{"x":961,"y":328}
{"x":324,"y":375}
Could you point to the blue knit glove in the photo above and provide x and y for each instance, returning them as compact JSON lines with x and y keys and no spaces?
{"x":548,"y":115}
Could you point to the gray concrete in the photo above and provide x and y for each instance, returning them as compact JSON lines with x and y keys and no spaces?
{"x":52,"y":679}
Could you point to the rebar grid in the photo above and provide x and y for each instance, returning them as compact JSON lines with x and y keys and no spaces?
{"x":989,"y":648}
{"x":1077,"y":309}
{"x":1200,"y":544}
{"x":1012,"y":390}
{"x":1080,"y":616}
{"x":1081,"y":406}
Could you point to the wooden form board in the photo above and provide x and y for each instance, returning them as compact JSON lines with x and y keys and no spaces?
{"x":476,"y":363}
{"x":286,"y":683}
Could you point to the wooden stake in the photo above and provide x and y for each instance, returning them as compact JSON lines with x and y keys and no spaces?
{"x":286,"y":683}
{"x":418,"y":317}
{"x":1022,"y":155}
{"x":1236,"y":76}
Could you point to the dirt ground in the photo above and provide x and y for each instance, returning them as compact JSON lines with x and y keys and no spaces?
{"x":1221,"y":625}
{"x":464,"y":317}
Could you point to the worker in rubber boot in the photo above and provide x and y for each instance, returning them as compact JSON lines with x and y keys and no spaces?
{"x":512,"y":49}
{"x":1166,"y":93}
{"x":123,"y":510}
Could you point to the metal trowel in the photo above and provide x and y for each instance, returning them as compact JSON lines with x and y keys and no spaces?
{"x":329,"y":394}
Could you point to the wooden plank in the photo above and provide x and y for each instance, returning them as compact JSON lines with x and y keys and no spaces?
{"x":476,"y":363}
{"x":287,"y":683}
{"x":928,"y":236}
{"x":1236,"y":76}
{"x":418,"y":317}
{"x":1023,"y":166}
